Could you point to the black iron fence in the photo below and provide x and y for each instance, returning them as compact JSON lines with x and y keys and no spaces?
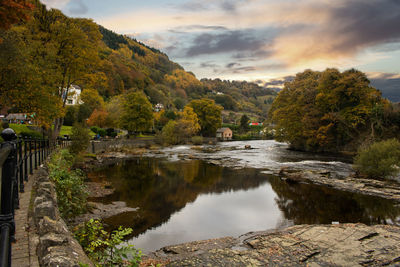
{"x":18,"y":158}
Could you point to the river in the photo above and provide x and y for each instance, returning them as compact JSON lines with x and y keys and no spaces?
{"x":186,"y":193}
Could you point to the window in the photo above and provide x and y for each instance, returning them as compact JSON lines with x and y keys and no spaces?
{"x":69,"y":101}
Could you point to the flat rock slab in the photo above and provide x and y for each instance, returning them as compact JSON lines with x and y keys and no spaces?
{"x":302,"y":245}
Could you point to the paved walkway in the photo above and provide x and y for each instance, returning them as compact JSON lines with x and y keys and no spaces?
{"x":24,"y":249}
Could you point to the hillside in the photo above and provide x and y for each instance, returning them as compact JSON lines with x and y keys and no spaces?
{"x":132,"y":64}
{"x":50,"y":51}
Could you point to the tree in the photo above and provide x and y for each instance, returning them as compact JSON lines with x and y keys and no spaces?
{"x":209,"y":115}
{"x":175,"y":132}
{"x":114,"y":109}
{"x":92,"y":99}
{"x":325,"y":111}
{"x":14,"y":11}
{"x":379,"y":160}
{"x":188,"y":122}
{"x":52,"y":52}
{"x":137,"y":112}
{"x":244,"y":123}
{"x":98,"y":118}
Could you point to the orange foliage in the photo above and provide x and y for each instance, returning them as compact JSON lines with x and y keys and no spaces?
{"x":98,"y":118}
{"x":13,"y":11}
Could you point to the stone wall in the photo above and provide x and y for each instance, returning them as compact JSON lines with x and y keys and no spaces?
{"x":56,"y":244}
{"x":117,"y":144}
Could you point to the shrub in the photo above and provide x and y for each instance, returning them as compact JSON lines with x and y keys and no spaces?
{"x":105,"y":248}
{"x":102,"y":132}
{"x":70,"y":188}
{"x":380,"y":160}
{"x":80,"y":139}
{"x":31,"y":134}
{"x":111,"y":132}
{"x":94,"y":129}
{"x":197,"y":140}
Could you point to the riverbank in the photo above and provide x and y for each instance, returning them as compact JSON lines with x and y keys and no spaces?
{"x":301,"y":245}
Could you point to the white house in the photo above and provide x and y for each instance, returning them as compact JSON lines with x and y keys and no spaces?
{"x":73,"y":97}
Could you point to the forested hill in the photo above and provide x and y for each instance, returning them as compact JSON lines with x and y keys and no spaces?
{"x":49,"y":50}
{"x":136,"y":65}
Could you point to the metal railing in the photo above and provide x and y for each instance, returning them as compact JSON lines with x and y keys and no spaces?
{"x":18,"y":158}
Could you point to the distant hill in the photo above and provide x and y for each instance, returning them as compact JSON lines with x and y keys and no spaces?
{"x":390,"y":88}
{"x":129,"y":63}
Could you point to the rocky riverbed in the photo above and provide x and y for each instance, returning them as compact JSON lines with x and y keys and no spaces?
{"x":301,"y":245}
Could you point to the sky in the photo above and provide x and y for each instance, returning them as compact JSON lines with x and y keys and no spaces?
{"x":257,"y":40}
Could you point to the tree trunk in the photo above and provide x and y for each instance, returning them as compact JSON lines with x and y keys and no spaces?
{"x":57,"y":128}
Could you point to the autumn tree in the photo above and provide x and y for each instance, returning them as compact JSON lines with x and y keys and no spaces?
{"x":51,"y":52}
{"x":209,"y":115}
{"x":324,"y":111}
{"x":14,"y":11}
{"x":137,"y":112}
{"x":99,"y":118}
{"x":179,"y":131}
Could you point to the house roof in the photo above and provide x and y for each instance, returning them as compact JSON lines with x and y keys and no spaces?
{"x":221,"y":130}
{"x":16,"y":116}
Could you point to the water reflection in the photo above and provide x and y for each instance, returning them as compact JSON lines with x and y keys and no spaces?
{"x":182,"y":201}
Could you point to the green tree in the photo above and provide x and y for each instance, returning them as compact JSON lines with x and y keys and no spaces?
{"x":137,"y":112}
{"x":209,"y":115}
{"x":80,"y":138}
{"x":244,"y":123}
{"x":379,"y":160}
{"x":92,"y":99}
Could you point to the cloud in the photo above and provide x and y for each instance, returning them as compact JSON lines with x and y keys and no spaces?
{"x":191,"y":28}
{"x":231,"y":65}
{"x":230,"y":41}
{"x":345,"y":29}
{"x":77,"y":7}
{"x":208,"y":65}
{"x":59,"y":4}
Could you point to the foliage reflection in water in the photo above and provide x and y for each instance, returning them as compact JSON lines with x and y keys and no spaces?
{"x":183,"y":201}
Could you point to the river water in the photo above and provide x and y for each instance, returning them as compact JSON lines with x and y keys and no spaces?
{"x":227,"y":191}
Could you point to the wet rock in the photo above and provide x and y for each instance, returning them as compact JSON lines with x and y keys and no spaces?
{"x":100,"y":211}
{"x":385,"y":189}
{"x":302,"y":245}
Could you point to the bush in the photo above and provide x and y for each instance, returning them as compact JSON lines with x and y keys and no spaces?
{"x":380,"y":160}
{"x":31,"y":134}
{"x":197,"y":140}
{"x":94,"y":129}
{"x":80,"y":139}
{"x":102,"y":132}
{"x":70,"y":188}
{"x":111,"y":132}
{"x":105,"y":248}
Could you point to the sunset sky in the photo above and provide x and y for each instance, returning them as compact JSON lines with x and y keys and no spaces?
{"x":257,"y":39}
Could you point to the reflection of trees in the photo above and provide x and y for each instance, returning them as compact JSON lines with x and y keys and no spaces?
{"x":160,"y":188}
{"x":311,"y":204}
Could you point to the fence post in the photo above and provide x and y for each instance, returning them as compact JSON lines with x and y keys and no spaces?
{"x":8,"y":188}
{"x":35,"y":147}
{"x":30,"y":156}
{"x":25,"y":159}
{"x":19,"y":166}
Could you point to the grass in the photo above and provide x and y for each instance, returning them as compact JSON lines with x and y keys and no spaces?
{"x":18,"y":128}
